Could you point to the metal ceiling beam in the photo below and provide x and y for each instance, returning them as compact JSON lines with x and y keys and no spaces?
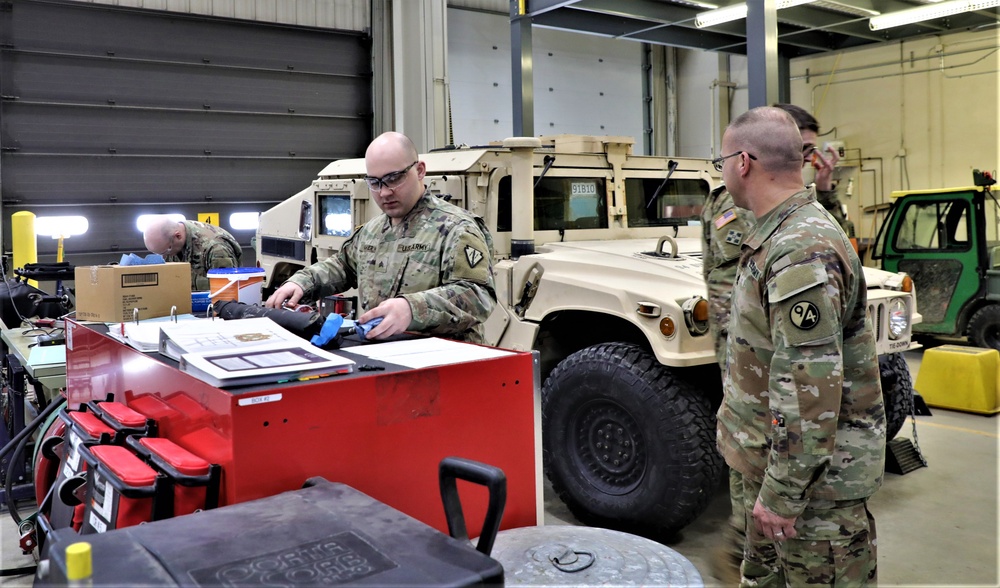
{"x":649,"y":10}
{"x":635,"y":30}
{"x":537,"y":7}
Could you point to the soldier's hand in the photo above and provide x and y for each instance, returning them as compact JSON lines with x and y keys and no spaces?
{"x":825,"y":162}
{"x":773,"y":526}
{"x":289,"y":292}
{"x":396,"y":317}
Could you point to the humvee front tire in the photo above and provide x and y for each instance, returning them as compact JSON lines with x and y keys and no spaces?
{"x":628,"y":445}
{"x":897,"y":392}
{"x":984,"y":327}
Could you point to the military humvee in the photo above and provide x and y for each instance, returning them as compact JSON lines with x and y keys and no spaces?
{"x":599,"y":270}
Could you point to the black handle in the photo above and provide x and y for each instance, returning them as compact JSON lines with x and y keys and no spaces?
{"x":452,"y":468}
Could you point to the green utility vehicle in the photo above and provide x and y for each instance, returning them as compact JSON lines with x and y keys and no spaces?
{"x":598,"y":269}
{"x":947,"y":242}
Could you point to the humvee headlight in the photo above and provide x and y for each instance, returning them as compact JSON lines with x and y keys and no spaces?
{"x":667,"y":327}
{"x":899,"y":318}
{"x":696,"y":314}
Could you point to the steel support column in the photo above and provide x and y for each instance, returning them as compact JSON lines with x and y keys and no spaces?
{"x":522,"y":90}
{"x":762,"y":52}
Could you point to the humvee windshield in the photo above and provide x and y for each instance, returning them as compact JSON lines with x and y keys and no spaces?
{"x":679,"y":203}
{"x":581,"y":203}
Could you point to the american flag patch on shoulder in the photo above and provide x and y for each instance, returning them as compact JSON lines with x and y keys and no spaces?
{"x":725,"y":218}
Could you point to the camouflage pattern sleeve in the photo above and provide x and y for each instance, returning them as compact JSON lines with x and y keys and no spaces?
{"x":207,"y":247}
{"x":332,"y":275}
{"x":724,"y":226}
{"x":831,"y":202}
{"x":803,"y":301}
{"x":466,"y":294}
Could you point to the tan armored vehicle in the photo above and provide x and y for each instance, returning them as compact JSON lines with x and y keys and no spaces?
{"x":599,"y":270}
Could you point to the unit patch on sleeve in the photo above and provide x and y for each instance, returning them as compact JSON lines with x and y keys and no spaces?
{"x":473,"y":255}
{"x":804,"y":315}
{"x":471,"y":260}
{"x":734,"y":237}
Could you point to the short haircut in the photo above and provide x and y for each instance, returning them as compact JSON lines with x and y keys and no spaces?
{"x":804,"y":120}
{"x":771,"y":135}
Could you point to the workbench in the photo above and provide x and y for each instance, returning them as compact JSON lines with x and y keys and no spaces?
{"x":47,"y":377}
{"x":382,"y":432}
{"x":33,"y":383}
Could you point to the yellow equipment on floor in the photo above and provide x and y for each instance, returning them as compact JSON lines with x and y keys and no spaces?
{"x":961,"y":378}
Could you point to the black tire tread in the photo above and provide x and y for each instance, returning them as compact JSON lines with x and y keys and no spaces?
{"x":984,"y":327}
{"x":684,"y":417}
{"x":897,"y":392}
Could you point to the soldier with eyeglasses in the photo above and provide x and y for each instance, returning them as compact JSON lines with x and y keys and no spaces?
{"x":422,"y":265}
{"x":724,"y":227}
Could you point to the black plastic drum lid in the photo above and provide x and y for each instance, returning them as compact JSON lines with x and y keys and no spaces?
{"x":587,"y":556}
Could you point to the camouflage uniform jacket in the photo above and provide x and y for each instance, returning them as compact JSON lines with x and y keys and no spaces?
{"x":206,"y":247}
{"x":439,"y":258}
{"x":831,"y":202}
{"x":724,"y":226}
{"x":802,"y":408}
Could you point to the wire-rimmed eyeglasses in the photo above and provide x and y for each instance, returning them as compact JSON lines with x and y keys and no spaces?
{"x":717,"y":162}
{"x":390,"y":180}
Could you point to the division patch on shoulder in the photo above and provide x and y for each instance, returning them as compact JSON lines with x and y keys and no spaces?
{"x":471,"y":260}
{"x":473,"y":255}
{"x":734,"y":237}
{"x":804,"y":315}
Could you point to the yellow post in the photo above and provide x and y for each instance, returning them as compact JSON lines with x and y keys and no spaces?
{"x":22,"y":228}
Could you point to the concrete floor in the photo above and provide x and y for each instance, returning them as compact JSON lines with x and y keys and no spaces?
{"x":937,"y":526}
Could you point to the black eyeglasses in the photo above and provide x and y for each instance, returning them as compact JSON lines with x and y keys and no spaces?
{"x":717,"y":162}
{"x":390,"y":180}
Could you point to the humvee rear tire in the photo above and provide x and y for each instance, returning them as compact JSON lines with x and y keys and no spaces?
{"x":628,"y":445}
{"x":984,"y":327}
{"x":897,"y":392}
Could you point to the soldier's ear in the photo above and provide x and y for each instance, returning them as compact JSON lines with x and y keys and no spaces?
{"x":421,"y":170}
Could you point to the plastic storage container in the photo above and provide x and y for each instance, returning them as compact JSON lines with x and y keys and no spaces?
{"x":241,"y":284}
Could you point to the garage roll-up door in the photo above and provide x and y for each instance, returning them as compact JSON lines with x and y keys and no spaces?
{"x":111,"y":112}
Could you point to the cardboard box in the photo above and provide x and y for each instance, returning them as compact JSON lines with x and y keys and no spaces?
{"x":109,"y":293}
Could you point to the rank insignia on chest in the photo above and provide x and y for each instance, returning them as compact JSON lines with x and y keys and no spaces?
{"x":753,"y":269}
{"x":725,"y":218}
{"x":734,"y":237}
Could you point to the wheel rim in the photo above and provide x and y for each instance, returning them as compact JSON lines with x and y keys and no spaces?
{"x":608,"y":447}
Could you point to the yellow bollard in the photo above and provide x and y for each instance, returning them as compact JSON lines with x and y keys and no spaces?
{"x":23,"y":240}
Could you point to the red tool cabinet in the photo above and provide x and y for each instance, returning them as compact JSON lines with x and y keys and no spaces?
{"x":381,"y":432}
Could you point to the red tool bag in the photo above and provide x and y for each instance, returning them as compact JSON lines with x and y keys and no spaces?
{"x":123,"y":419}
{"x":82,"y":429}
{"x":195,"y":481}
{"x":122,"y":491}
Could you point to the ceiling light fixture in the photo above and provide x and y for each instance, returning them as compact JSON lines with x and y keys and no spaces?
{"x":928,"y":12}
{"x":737,"y":12}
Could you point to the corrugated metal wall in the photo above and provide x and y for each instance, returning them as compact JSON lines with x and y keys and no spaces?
{"x":351,"y":15}
{"x":114,"y":112}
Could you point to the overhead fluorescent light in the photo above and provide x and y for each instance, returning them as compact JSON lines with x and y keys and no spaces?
{"x":928,"y":12}
{"x":721,"y":15}
{"x":736,"y":12}
{"x":845,"y":8}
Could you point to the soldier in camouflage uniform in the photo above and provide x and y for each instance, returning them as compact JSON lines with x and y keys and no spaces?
{"x":801,"y":422}
{"x":423,"y":265}
{"x":202,"y":245}
{"x":724,"y":226}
